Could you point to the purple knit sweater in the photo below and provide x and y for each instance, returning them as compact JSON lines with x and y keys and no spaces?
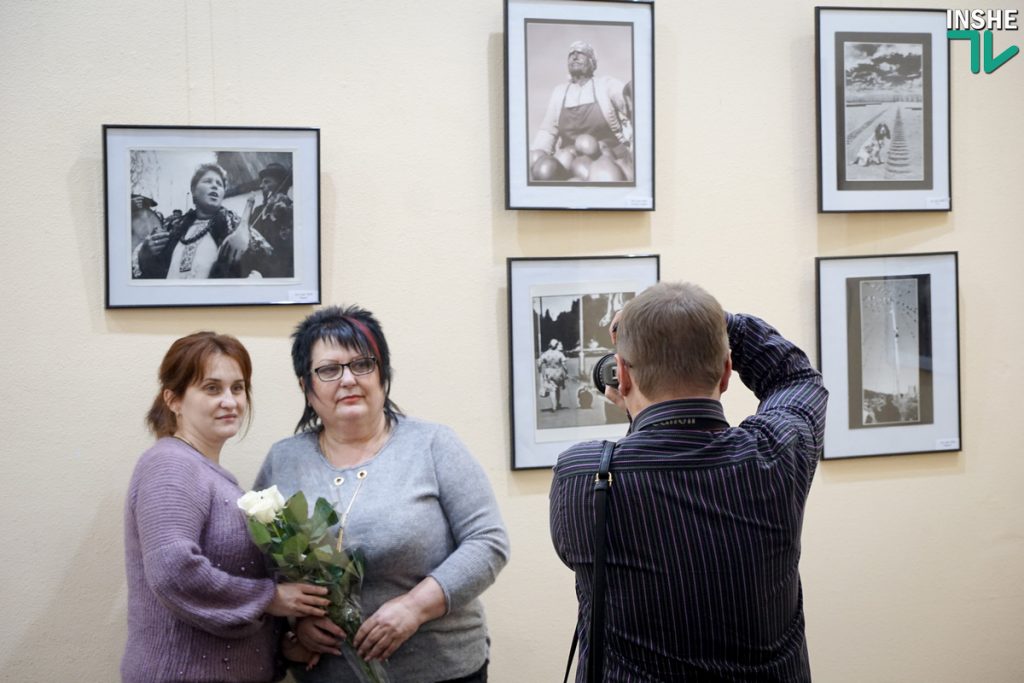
{"x":197,"y":586}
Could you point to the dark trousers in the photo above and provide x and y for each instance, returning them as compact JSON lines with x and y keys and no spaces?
{"x":478,"y":676}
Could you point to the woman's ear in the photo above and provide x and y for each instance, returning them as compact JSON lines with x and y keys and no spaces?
{"x":172,"y":401}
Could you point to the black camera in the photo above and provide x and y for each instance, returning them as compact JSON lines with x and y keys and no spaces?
{"x":606,"y":373}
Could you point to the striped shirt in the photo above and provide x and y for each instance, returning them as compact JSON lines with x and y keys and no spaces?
{"x":703,"y":527}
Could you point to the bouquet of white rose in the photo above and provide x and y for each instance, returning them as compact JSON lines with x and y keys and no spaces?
{"x":303,"y":548}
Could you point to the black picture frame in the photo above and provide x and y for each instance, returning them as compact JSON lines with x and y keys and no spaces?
{"x":162,"y":250}
{"x":888,"y":349}
{"x":610,"y":166}
{"x":883,"y":109}
{"x":559,"y":309}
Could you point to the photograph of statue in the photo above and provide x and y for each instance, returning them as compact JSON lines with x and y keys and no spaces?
{"x":579,"y":101}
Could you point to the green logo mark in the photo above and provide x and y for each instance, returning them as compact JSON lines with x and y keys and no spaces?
{"x":978,"y":39}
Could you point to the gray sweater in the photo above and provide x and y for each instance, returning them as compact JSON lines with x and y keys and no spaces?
{"x":426,"y":508}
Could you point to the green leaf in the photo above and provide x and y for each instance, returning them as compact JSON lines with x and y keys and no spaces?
{"x":259,"y":533}
{"x":295,"y":547}
{"x":296,"y":510}
{"x":324,"y":513}
{"x":317,"y":532}
{"x":291,"y":574}
{"x":358,"y":564}
{"x":310,"y":563}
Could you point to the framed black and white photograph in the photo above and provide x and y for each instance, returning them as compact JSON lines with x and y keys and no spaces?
{"x":888,"y":349}
{"x":579,"y":104}
{"x":883,"y":110}
{"x":211,"y":216}
{"x":559,"y":312}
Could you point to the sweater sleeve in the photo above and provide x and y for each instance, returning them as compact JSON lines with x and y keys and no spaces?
{"x":482,"y":546}
{"x":171,"y":514}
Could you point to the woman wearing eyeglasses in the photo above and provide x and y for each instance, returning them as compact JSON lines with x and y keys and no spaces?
{"x":408,"y":493}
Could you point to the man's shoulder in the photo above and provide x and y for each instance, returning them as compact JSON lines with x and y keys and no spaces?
{"x":579,"y":459}
{"x":559,"y":90}
{"x":608,"y":82}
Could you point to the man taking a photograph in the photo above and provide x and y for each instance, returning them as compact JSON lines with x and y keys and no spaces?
{"x":704,"y":519}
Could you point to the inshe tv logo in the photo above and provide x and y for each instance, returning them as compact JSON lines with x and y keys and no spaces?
{"x":976,"y":25}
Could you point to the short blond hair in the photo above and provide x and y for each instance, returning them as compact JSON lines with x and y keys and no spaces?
{"x":673,"y":337}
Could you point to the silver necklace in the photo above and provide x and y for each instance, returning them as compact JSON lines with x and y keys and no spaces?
{"x":338,"y":481}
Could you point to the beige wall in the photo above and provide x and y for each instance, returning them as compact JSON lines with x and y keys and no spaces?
{"x":912,"y":565}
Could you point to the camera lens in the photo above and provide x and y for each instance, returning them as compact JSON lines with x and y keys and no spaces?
{"x":606,"y":373}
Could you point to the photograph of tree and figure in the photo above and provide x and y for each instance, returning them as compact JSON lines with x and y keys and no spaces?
{"x":890,"y":351}
{"x":570,"y":334}
{"x":884,"y":111}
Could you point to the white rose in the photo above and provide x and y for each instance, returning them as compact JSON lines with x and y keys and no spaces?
{"x":263,"y":505}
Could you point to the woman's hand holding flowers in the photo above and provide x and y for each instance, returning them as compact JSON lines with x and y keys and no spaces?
{"x":298,"y":600}
{"x":320,"y":635}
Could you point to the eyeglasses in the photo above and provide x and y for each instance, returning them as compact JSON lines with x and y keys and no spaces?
{"x":334,"y":371}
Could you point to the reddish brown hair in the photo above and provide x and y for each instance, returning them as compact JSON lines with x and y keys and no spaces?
{"x":183,"y":365}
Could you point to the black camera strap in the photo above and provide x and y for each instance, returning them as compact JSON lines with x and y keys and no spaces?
{"x":602,"y":487}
